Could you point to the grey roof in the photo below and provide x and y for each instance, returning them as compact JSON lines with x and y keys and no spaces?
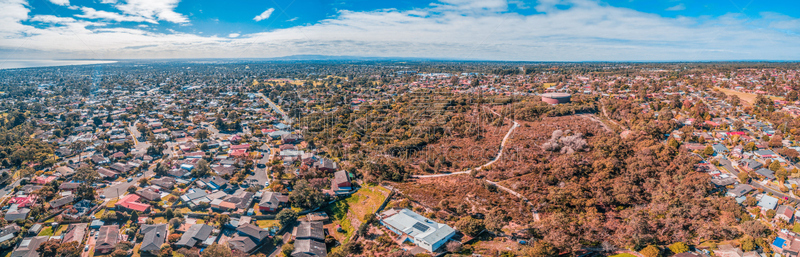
{"x":751,"y":164}
{"x":148,"y":194}
{"x":19,"y":214}
{"x":307,"y":248}
{"x":196,"y":233}
{"x":242,"y":243}
{"x":154,"y":236}
{"x":58,"y":203}
{"x":719,"y":148}
{"x":269,"y":199}
{"x":766,"y":173}
{"x":740,"y":190}
{"x":252,"y":231}
{"x":108,"y":238}
{"x":310,"y":230}
{"x":28,"y":246}
{"x":768,"y":202}
{"x":165,"y":182}
{"x":75,"y":232}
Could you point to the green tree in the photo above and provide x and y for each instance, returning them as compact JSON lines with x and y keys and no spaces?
{"x":286,"y":217}
{"x":201,"y":169}
{"x":651,"y":251}
{"x":708,"y":151}
{"x":750,"y":147}
{"x":470,"y":226}
{"x":217,"y":250}
{"x":678,"y":247}
{"x":748,"y":244}
{"x":48,"y":248}
{"x":775,"y":166}
{"x":743,"y":177}
{"x":287,"y":249}
{"x":202,"y":134}
{"x":673,"y":143}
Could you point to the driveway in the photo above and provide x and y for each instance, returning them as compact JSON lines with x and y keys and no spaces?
{"x":120,"y":188}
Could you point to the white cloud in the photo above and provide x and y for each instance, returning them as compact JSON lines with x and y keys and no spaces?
{"x":91,"y":13}
{"x":586,"y":31}
{"x":60,"y":2}
{"x":679,"y":7}
{"x":12,"y":12}
{"x":153,"y":9}
{"x":264,"y":15}
{"x":232,"y":35}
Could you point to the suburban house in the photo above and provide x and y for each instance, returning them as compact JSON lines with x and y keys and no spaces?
{"x":740,"y":190}
{"x":767,"y":173}
{"x":341,"y":183}
{"x":78,"y":210}
{"x":154,"y":236}
{"x":327,"y":165}
{"x":787,"y":244}
{"x":750,"y":164}
{"x":195,"y":234}
{"x":213,"y":182}
{"x":107,"y":239}
{"x":107,"y":174}
{"x":272,"y":201}
{"x":131,"y":202}
{"x":415,"y":228}
{"x":785,"y":213}
{"x":28,"y":246}
{"x":148,"y":194}
{"x":61,"y":202}
{"x":767,"y":203}
{"x":719,"y":148}
{"x":309,"y":239}
{"x":75,"y":233}
{"x":8,"y":232}
{"x":248,"y":237}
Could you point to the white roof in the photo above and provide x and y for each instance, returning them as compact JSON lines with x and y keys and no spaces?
{"x":418,"y":227}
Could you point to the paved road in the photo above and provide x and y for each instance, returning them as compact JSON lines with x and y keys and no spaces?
{"x":277,"y":109}
{"x":773,"y":191}
{"x":120,"y":188}
{"x":261,"y":174}
{"x":7,"y":190}
{"x":726,"y":163}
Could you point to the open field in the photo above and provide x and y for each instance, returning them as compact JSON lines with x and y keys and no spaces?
{"x":748,"y":98}
{"x":366,"y":200}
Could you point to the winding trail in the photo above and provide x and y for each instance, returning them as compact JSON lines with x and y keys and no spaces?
{"x":496,"y":158}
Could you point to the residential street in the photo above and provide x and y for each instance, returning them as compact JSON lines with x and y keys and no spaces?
{"x":120,"y":188}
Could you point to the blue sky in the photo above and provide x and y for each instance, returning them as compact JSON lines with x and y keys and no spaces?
{"x":545,"y":30}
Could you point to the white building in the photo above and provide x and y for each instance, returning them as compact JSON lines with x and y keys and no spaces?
{"x":417,"y":229}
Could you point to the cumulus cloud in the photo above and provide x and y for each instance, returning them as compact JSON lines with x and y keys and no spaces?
{"x":679,"y":7}
{"x":153,"y":10}
{"x":91,"y":13}
{"x":60,"y":2}
{"x":264,"y":15}
{"x":232,"y":35}
{"x":565,"y":30}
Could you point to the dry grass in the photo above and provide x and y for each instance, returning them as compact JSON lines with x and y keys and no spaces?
{"x":748,"y":98}
{"x":366,"y":200}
